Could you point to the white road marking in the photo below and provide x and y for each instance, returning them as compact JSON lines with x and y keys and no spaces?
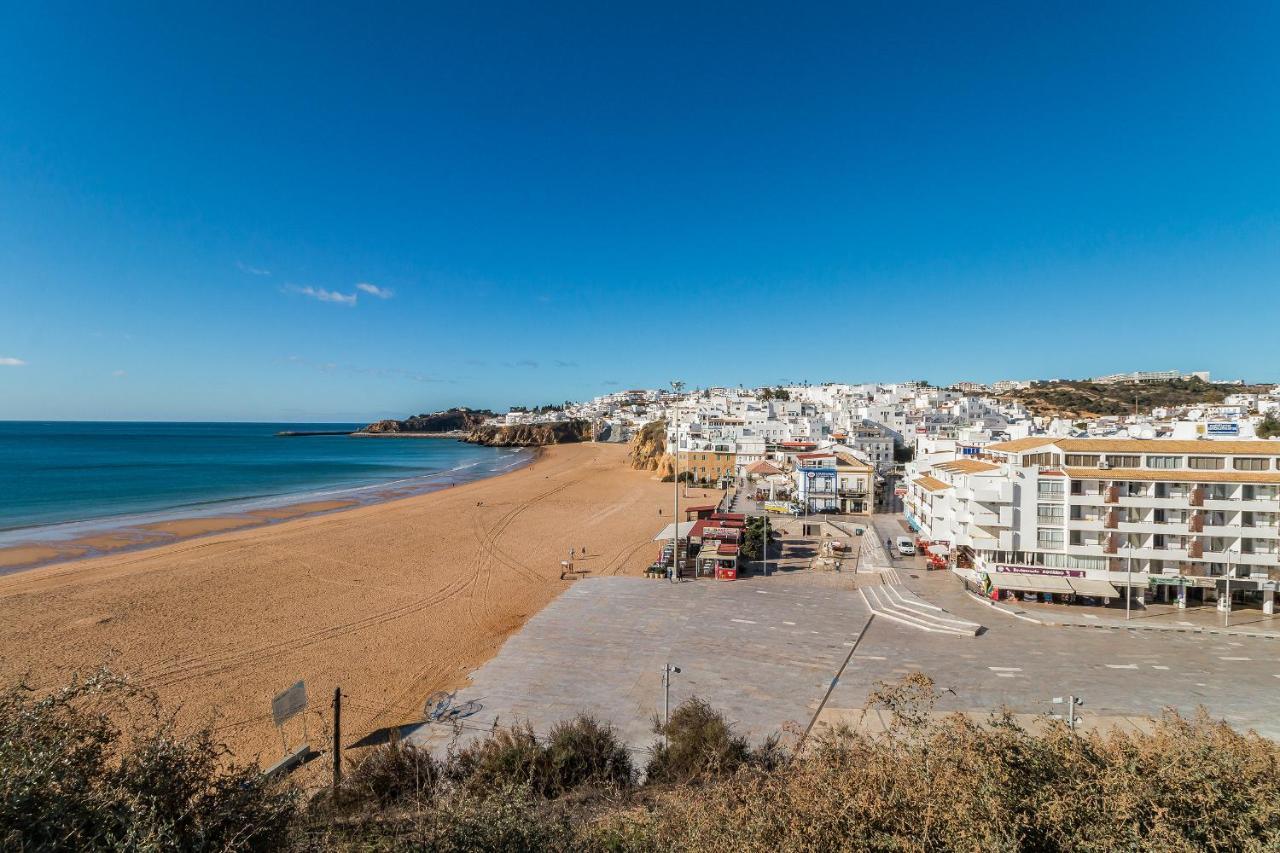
{"x":1006,"y":675}
{"x":743,"y":621}
{"x":1005,"y":668}
{"x":1235,"y":658}
{"x":1122,"y":666}
{"x":882,"y":657}
{"x":1154,"y":666}
{"x":785,"y":622}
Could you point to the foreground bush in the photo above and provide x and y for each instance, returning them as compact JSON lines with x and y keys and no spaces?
{"x":72,"y":779}
{"x":392,"y":773}
{"x":696,"y":744}
{"x":1193,"y":784}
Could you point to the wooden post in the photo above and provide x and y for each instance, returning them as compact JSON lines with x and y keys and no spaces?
{"x":337,"y":741}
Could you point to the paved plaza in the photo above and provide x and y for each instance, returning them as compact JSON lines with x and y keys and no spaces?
{"x":765,"y":649}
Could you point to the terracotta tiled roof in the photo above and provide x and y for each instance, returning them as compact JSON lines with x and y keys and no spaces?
{"x":931,"y":484}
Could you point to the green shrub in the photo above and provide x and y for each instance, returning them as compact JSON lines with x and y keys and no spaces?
{"x":72,"y":778}
{"x":696,"y":744}
{"x":585,"y":752}
{"x":506,"y":758}
{"x":391,"y":773}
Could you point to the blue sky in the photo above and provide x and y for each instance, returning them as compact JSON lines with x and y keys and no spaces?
{"x":560,"y":200}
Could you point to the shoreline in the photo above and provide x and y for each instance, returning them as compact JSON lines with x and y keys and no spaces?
{"x":387,"y":601}
{"x":107,"y":536}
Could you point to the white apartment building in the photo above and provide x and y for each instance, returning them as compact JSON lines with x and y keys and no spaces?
{"x":1091,"y":516}
{"x":834,"y":480}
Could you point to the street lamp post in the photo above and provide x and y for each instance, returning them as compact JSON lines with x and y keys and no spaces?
{"x":677,"y":386}
{"x":1230,"y":570}
{"x":1128,"y":582}
{"x":667,"y":671}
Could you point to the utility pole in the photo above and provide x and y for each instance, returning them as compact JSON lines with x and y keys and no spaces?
{"x":337,"y":742}
{"x":1128,"y":582}
{"x":1070,"y":718}
{"x":677,"y":386}
{"x":1227,"y":611}
{"x":667,"y":671}
{"x":766,"y":544}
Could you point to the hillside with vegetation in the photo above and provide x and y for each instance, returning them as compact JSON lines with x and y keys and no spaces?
{"x":1083,"y":399}
{"x":100,"y":766}
{"x":454,"y":420}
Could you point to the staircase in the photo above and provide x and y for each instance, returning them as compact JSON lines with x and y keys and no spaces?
{"x":893,"y":601}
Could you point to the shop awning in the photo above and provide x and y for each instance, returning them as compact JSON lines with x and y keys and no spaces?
{"x":1128,"y":579}
{"x":1030,"y":583}
{"x":1095,"y":588}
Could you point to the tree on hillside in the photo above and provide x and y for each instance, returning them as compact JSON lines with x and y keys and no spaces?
{"x":1270,"y":426}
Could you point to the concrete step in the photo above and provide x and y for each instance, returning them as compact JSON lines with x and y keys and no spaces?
{"x":908,"y":601}
{"x":881,"y":604}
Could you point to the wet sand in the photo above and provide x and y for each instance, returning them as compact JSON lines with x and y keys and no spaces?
{"x":32,"y":555}
{"x":390,"y":601}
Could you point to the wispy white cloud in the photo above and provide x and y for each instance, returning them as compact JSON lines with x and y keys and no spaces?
{"x":320,"y":293}
{"x":378,"y":372}
{"x":251,"y":270}
{"x":119,"y":373}
{"x":374,"y":290}
{"x":12,"y":362}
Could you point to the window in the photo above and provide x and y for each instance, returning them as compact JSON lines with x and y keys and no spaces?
{"x":1041,"y":459}
{"x":1050,"y":489}
{"x":1205,"y":463}
{"x":1164,"y":461}
{"x":1251,"y":464}
{"x":1049,"y":513}
{"x":1048,"y":537}
{"x":1118,"y":461}
{"x":1083,"y":460}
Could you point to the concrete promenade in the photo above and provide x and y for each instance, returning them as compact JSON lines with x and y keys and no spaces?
{"x":765,"y":650}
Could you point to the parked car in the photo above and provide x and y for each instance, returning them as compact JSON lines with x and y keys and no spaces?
{"x":905,"y":546}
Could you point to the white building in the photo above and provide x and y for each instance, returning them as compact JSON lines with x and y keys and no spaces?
{"x":1090,"y":515}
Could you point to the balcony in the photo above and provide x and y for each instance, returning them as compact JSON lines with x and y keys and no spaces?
{"x":1111,"y":521}
{"x":1196,"y":551}
{"x":1196,"y":524}
{"x":1197,"y":497}
{"x":1257,"y":558}
{"x":853,"y":493}
{"x":1112,"y":495}
{"x":1111,"y":545}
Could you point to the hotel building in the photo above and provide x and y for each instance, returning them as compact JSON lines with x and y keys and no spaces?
{"x":1092,"y":516}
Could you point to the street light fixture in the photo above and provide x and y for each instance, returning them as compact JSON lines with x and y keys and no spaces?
{"x":667,"y":671}
{"x":1070,"y":717}
{"x":1128,"y":581}
{"x":676,"y":386}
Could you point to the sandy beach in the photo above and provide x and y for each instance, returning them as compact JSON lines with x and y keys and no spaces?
{"x":390,"y":601}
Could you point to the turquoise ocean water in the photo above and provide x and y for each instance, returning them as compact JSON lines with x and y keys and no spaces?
{"x":59,"y":478}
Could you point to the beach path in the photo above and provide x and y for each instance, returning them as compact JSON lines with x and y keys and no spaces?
{"x":390,"y":601}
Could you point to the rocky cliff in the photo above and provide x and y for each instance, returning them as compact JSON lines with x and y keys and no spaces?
{"x":452,"y":420}
{"x":648,"y":450}
{"x":531,"y":435}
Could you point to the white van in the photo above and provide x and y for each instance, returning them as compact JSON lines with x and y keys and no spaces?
{"x":905,"y":546}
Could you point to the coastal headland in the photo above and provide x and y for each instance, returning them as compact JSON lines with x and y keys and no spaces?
{"x":388,"y":601}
